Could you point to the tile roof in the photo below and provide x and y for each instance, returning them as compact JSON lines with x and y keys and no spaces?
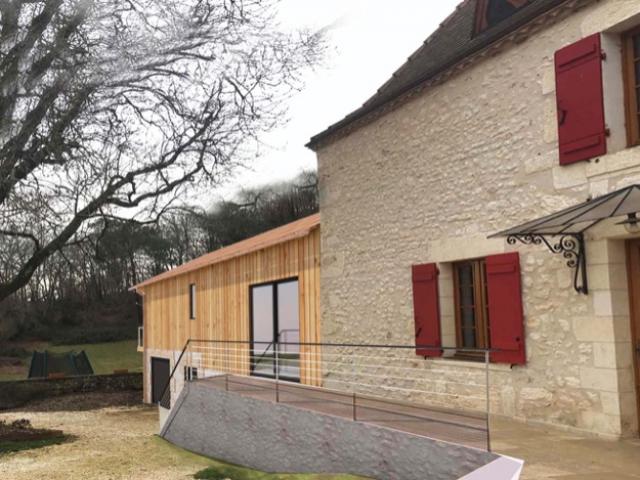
{"x":452,"y":42}
{"x":291,"y":231}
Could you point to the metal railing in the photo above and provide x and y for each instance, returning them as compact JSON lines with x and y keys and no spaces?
{"x":388,"y":385}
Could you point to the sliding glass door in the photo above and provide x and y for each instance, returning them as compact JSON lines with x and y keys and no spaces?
{"x":275,"y":325}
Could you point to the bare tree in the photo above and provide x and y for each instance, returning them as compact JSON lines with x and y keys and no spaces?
{"x":114,"y":106}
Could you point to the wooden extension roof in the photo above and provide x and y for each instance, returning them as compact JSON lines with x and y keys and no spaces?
{"x":291,"y":231}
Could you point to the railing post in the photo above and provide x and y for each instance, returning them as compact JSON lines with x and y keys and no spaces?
{"x":355,"y":417}
{"x":488,"y":399}
{"x":353,"y":383}
{"x":277,"y":372}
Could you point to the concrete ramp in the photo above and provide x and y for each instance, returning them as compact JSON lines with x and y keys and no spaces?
{"x":277,"y":437}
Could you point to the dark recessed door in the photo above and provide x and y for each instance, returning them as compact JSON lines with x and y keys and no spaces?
{"x":160,"y":371}
{"x":633,"y":260}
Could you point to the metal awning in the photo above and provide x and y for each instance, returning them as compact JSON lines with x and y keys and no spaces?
{"x":563,"y":232}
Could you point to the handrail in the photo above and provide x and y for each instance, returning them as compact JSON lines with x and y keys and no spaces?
{"x":355,"y":376}
{"x":271,"y":344}
{"x":263,"y":354}
{"x":356,"y":345}
{"x":175,"y":367}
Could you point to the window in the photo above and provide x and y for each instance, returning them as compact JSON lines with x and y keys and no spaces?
{"x":631,"y":62}
{"x":488,"y":308}
{"x":490,"y":13}
{"x":472,"y":314}
{"x":190,"y":373}
{"x":192,"y":301}
{"x":275,"y":320}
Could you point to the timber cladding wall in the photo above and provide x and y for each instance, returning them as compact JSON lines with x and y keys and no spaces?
{"x":222,"y":298}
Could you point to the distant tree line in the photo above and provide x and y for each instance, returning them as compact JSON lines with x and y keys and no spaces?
{"x":86,"y":283}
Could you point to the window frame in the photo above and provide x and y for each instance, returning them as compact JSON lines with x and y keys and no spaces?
{"x":480,"y":307}
{"x":631,"y":87}
{"x":274,"y":284}
{"x":192,"y":301}
{"x":190,"y":373}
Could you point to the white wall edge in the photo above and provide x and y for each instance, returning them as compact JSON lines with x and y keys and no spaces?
{"x":504,"y":468}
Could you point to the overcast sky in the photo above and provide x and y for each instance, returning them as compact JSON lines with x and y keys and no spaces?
{"x":368,"y":40}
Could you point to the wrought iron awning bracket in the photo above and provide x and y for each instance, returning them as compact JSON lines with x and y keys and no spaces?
{"x":570,"y":245}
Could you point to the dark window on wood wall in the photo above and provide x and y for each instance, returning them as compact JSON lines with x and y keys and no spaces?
{"x":192,"y":301}
{"x":631,"y":62}
{"x":472,"y":316}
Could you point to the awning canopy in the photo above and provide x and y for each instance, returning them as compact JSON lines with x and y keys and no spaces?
{"x":563,"y":232}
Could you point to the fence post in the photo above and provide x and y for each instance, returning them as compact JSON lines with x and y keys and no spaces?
{"x":355,"y":417}
{"x":488,"y":399}
{"x":277,"y":373}
{"x":353,"y":384}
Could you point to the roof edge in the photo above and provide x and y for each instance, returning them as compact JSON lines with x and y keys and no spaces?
{"x":285,"y":233}
{"x":362,"y":113}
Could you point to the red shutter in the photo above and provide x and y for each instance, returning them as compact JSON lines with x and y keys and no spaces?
{"x":506,"y":318}
{"x":581,"y":124}
{"x":426,"y":309}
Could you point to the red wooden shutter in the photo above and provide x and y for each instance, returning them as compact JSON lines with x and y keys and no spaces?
{"x":506,"y":318}
{"x":426,"y":309}
{"x":580,"y":103}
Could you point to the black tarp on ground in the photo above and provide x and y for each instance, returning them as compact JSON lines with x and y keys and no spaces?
{"x":46,"y":363}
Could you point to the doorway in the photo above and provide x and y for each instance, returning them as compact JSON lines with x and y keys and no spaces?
{"x":275,"y":330}
{"x":160,"y":371}
{"x":633,"y":262}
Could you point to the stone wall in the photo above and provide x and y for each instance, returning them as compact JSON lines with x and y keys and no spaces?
{"x":430,"y":180}
{"x":281,"y":438}
{"x":16,"y":393}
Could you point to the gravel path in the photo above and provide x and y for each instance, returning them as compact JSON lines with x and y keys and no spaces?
{"x":114,"y":439}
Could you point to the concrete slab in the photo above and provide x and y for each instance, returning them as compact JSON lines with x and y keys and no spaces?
{"x":559,"y":455}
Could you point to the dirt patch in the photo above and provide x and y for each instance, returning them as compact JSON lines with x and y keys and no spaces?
{"x":83,"y":401}
{"x":21,"y":431}
{"x":20,"y":435}
{"x":114,"y":438}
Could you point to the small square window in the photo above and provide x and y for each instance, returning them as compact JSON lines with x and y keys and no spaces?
{"x":490,"y":13}
{"x":190,"y":373}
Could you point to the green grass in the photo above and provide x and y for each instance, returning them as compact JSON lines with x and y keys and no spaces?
{"x":107,"y":357}
{"x":104,"y":357}
{"x":224,"y":471}
{"x":8,"y":446}
{"x":217,"y":469}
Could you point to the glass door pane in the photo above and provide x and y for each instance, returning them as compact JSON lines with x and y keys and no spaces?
{"x":262,"y":321}
{"x":288,"y":330}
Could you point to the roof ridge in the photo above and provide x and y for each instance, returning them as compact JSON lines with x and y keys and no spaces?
{"x":275,"y":236}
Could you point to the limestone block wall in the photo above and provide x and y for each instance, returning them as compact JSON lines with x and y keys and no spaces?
{"x":431,"y":179}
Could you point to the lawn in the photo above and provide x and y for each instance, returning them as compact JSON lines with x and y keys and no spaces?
{"x":222,"y":471}
{"x":115,"y":440}
{"x":104,"y":358}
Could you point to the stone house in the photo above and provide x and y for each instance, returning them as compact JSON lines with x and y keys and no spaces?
{"x":517,"y":118}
